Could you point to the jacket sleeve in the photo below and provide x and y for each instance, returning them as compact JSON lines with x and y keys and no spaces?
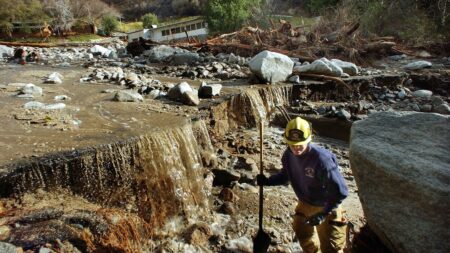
{"x":281,"y":177}
{"x":336,"y":187}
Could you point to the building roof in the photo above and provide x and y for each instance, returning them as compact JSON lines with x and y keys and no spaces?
{"x":180,"y":21}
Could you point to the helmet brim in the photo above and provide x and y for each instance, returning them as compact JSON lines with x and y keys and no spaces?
{"x":296,"y":143}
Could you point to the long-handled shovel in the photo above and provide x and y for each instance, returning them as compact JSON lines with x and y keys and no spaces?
{"x":261,"y":241}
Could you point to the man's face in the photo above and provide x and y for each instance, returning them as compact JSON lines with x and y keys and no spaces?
{"x":298,"y":149}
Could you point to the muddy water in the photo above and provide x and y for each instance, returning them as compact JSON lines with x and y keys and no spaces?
{"x":90,"y":118}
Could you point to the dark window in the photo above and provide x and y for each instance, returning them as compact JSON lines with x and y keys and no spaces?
{"x":199,"y":25}
{"x":178,"y":30}
{"x":172,"y":31}
{"x":193,"y":27}
{"x":163,"y":32}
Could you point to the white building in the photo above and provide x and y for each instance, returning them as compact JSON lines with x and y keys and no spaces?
{"x":181,"y":29}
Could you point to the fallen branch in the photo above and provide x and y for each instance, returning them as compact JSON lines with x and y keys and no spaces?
{"x":324,"y":77}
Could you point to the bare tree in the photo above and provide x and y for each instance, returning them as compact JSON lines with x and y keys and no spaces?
{"x":61,"y":13}
{"x":89,"y":11}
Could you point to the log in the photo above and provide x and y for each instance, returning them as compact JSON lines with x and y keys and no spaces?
{"x":324,"y":77}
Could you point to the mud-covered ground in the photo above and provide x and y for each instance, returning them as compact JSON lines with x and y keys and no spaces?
{"x":91,"y":117}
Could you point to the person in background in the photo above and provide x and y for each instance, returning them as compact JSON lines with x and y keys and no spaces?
{"x":320,"y":188}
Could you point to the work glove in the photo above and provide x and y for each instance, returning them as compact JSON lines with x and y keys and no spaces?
{"x":316,"y":219}
{"x":261,"y":179}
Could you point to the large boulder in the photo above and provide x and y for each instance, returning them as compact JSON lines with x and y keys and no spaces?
{"x":271,"y":67}
{"x":322,"y":66}
{"x":185,"y":58}
{"x":6,"y":51}
{"x":401,"y":165}
{"x":162,"y":53}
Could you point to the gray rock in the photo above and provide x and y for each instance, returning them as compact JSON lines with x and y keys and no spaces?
{"x":162,"y":53}
{"x":112,"y":55}
{"x":437,"y":101}
{"x":62,"y":98}
{"x":99,"y":50}
{"x":155,"y":94}
{"x":225,"y":177}
{"x":347,"y":67}
{"x":55,"y":78}
{"x":271,"y":67}
{"x":294,"y":79}
{"x":401,"y":94}
{"x":400,"y":163}
{"x":33,"y":105}
{"x":57,"y":106}
{"x":425,"y":108}
{"x":397,"y":57}
{"x":44,"y":250}
{"x":185,"y":58}
{"x":343,"y":114}
{"x":31,"y":89}
{"x":178,"y":90}
{"x":418,"y":65}
{"x":442,"y":109}
{"x":6,"y":52}
{"x":89,"y":56}
{"x":415,"y":107}
{"x":128,"y":96}
{"x":7,"y":248}
{"x":190,"y":98}
{"x":422,"y":93}
{"x":209,"y":90}
{"x":321,"y":66}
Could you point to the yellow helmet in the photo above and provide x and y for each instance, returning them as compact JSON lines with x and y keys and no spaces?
{"x":298,"y":132}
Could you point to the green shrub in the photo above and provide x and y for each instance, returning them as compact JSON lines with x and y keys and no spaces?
{"x":109,"y":24}
{"x":228,"y":15}
{"x":149,"y":19}
{"x":317,"y":6}
{"x":402,"y":19}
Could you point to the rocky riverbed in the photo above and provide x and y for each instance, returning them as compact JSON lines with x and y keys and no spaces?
{"x":77,"y":98}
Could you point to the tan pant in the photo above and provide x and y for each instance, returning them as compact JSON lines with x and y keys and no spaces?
{"x":331,"y":232}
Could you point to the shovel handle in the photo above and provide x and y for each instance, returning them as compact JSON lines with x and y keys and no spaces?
{"x":261,"y":196}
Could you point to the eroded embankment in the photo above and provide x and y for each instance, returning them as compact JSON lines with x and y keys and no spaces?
{"x":156,"y":175}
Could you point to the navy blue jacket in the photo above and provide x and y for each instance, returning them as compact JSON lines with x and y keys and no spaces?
{"x":314,"y":176}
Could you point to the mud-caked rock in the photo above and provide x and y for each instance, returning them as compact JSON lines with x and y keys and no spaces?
{"x":128,"y":96}
{"x":271,"y":67}
{"x":198,"y":234}
{"x":400,"y":163}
